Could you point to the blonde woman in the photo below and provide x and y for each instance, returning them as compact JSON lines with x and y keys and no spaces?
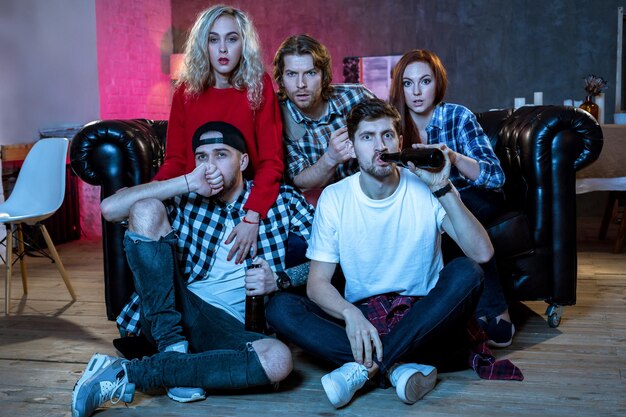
{"x":224,"y":80}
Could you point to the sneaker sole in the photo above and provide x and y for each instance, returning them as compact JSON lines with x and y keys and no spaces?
{"x":193,"y":398}
{"x":330,"y":388}
{"x":417,"y":385}
{"x":95,"y":363}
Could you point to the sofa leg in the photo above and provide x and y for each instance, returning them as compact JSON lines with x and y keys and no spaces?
{"x":554,"y":313}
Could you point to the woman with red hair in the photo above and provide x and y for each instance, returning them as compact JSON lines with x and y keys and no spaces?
{"x":419,"y":84}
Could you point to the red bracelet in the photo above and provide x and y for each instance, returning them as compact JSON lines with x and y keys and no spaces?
{"x":248,"y":221}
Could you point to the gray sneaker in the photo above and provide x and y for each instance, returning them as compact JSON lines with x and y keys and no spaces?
{"x":183,"y":394}
{"x":412,"y":381}
{"x":104,"y":379}
{"x":341,"y":384}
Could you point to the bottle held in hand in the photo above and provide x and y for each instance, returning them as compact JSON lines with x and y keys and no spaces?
{"x":431,"y":159}
{"x":255,"y":311}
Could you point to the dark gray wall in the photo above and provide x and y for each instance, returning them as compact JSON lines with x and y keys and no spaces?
{"x":48,"y":66}
{"x":494,"y":50}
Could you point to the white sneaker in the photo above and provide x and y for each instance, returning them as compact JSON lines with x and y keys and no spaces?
{"x":341,"y":384}
{"x":412,"y":381}
{"x":183,"y":394}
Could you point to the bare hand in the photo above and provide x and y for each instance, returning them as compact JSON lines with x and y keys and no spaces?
{"x":340,"y":147}
{"x":434,"y":180}
{"x":260,"y":280}
{"x":205,"y":180}
{"x":245,"y":237}
{"x":452,"y":155}
{"x":364,"y":338}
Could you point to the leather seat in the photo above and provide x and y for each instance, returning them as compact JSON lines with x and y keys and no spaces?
{"x":540,"y":149}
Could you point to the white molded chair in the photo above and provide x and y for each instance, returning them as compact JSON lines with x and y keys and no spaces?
{"x":37,"y":195}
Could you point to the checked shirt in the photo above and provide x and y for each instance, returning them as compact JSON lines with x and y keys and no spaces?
{"x":457,"y":127}
{"x":199,"y":224}
{"x":301,"y":153}
{"x":386,"y":310}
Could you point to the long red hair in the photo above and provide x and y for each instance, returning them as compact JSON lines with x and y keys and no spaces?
{"x":396,"y":94}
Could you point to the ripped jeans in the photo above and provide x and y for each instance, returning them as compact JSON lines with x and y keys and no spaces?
{"x":222,"y":354}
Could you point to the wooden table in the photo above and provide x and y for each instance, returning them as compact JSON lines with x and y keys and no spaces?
{"x":608,"y":173}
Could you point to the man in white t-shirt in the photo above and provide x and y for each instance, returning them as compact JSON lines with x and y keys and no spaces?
{"x":383,"y":227}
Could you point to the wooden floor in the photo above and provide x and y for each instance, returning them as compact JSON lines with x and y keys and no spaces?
{"x":578,"y":369}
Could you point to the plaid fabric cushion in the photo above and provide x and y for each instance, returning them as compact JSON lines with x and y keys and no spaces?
{"x":457,"y":128}
{"x":199,"y":224}
{"x":303,"y":152}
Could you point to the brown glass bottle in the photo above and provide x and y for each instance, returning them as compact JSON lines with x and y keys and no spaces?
{"x":425,"y":158}
{"x":589,"y":106}
{"x":255,"y":311}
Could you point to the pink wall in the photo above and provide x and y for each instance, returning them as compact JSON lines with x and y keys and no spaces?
{"x":133,"y":48}
{"x":134,"y":45}
{"x":346,"y":27}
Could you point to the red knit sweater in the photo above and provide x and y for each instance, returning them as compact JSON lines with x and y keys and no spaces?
{"x":262,"y":130}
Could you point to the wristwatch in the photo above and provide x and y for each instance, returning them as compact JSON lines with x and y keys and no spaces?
{"x":443,"y":190}
{"x":283,"y":281}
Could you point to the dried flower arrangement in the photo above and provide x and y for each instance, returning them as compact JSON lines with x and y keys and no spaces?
{"x":594,"y":84}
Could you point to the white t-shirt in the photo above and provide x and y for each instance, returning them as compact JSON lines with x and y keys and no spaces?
{"x":388,"y":245}
{"x":223,"y":287}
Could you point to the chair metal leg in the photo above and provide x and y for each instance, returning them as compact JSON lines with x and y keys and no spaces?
{"x":57,"y":260}
{"x":22,"y":255}
{"x":9,"y":267}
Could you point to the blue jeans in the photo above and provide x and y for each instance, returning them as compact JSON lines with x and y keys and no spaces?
{"x":296,"y":251}
{"x":171,"y":313}
{"x":434,"y":326}
{"x":486,"y":205}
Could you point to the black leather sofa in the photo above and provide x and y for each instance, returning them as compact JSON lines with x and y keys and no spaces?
{"x":540,"y":149}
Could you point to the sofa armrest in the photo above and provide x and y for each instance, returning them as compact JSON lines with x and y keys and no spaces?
{"x":118,"y":153}
{"x":115,"y":154}
{"x":542,"y":148}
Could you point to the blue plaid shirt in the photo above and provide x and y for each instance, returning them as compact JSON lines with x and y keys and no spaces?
{"x":456,"y":126}
{"x":199,"y":225}
{"x":301,"y":153}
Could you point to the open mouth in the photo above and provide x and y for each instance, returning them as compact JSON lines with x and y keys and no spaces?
{"x":223,"y":61}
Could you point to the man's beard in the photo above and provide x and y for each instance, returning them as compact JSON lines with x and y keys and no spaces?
{"x":379,"y":172}
{"x":229,"y":184}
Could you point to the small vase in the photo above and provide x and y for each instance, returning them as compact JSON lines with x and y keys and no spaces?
{"x":589,"y":106}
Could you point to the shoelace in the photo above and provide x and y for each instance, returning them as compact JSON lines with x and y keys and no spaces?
{"x":109,"y":389}
{"x":355,"y":373}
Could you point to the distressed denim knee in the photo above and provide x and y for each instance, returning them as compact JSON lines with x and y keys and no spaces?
{"x":154,"y":268}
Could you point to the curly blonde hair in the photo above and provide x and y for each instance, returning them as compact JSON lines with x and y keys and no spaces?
{"x":197,"y":74}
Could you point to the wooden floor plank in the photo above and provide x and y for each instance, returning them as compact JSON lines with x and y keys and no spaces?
{"x":577,"y":369}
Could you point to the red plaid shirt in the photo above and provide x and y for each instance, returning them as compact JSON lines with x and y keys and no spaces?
{"x":386,"y":310}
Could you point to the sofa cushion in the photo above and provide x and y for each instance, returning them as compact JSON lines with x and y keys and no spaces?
{"x":510,"y":235}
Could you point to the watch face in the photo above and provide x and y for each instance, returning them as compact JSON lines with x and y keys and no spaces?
{"x":284,"y":282}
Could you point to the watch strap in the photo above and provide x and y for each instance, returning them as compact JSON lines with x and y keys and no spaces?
{"x":283,"y":281}
{"x":443,"y":191}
